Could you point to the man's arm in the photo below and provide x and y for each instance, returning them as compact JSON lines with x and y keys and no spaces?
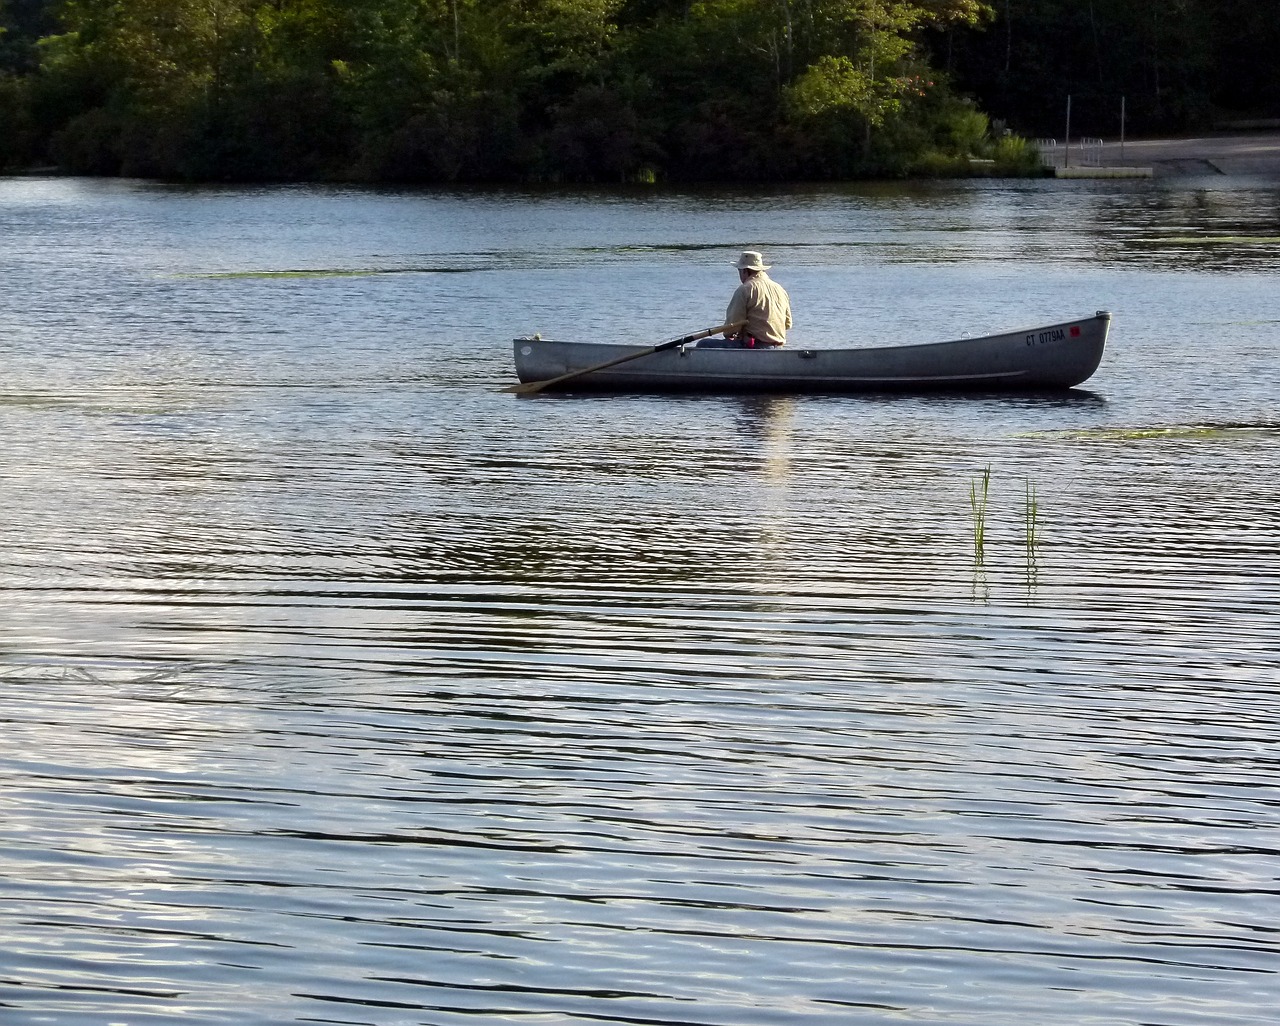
{"x":737,"y":309}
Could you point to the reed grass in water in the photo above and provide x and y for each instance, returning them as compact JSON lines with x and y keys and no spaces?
{"x":978,"y":493}
{"x":1031,"y":523}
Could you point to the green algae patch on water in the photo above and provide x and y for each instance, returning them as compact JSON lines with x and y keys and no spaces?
{"x":1210,"y":240}
{"x":1176,"y":431}
{"x":1225,"y":240}
{"x":321,"y":272}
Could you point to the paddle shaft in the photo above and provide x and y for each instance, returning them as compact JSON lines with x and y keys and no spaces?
{"x":537,"y":386}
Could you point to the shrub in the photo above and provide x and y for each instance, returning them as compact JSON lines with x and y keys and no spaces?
{"x":1015,"y":156}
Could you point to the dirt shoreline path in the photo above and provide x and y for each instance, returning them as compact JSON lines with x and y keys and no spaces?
{"x":1243,"y":153}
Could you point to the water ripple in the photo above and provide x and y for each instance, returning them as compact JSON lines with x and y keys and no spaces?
{"x":342,"y":687}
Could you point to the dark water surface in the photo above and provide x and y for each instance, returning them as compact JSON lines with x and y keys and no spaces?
{"x":341,"y":687}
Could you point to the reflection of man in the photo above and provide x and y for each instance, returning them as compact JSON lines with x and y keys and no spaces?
{"x":761,"y":302}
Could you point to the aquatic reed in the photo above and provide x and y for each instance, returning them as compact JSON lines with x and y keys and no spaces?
{"x":1031,"y":524}
{"x":978,"y":505}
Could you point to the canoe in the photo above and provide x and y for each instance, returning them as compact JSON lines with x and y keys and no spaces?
{"x":1054,"y":356}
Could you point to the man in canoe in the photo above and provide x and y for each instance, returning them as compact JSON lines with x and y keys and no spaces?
{"x":761,"y":302}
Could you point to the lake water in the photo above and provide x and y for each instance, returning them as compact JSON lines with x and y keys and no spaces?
{"x":342,"y":687}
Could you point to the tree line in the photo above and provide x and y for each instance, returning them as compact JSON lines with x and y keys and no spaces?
{"x":1172,"y":66}
{"x":606,"y":90}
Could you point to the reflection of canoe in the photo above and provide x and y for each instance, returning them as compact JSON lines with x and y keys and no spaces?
{"x":1055,"y":356}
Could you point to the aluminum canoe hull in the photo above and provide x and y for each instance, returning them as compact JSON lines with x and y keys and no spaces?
{"x":1053,"y":356}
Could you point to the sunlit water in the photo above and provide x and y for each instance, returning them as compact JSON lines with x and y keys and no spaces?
{"x":340,"y":686}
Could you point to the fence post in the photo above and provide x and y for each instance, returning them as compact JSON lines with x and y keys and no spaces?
{"x":1066,"y":141}
{"x":1122,"y":130}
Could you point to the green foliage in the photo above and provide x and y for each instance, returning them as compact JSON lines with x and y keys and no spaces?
{"x":833,"y":85}
{"x":966,"y":130}
{"x":1015,"y":156}
{"x":13,"y":122}
{"x":935,"y":164}
{"x":22,"y":23}
{"x":611,"y":90}
{"x":442,"y":90}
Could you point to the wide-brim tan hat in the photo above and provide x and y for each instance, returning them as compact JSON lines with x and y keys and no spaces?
{"x":751,"y":261}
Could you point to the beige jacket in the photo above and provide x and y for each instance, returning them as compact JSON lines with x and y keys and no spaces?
{"x":765,"y":306}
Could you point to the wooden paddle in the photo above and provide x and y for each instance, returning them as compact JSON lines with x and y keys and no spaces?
{"x":528,"y":387}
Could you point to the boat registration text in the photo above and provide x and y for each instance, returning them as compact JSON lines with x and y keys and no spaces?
{"x":1043,"y":337}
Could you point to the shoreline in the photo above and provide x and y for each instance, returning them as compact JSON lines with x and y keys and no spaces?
{"x":1254,"y":153}
{"x":1236,"y":153}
